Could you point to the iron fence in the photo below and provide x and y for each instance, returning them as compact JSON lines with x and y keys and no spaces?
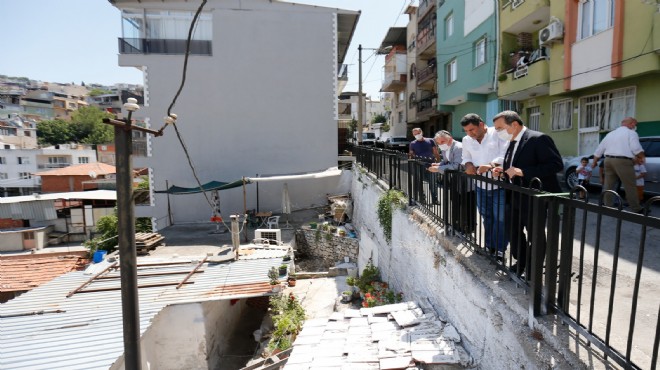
{"x":582,"y":261}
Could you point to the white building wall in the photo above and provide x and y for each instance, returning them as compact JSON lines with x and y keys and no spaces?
{"x":590,"y":55}
{"x":264,"y":103}
{"x":11,"y":241}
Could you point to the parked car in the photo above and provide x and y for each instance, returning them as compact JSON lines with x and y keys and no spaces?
{"x":651,"y":147}
{"x":397,"y":143}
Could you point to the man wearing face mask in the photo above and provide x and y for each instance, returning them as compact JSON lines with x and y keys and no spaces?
{"x":621,"y":147}
{"x":483,"y":151}
{"x":530,"y":154}
{"x":463,"y":207}
{"x":425,"y":150}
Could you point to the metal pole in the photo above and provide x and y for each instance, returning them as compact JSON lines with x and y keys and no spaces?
{"x":127,"y":252}
{"x":360,"y":101}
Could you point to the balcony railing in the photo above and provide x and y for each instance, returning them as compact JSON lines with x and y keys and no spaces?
{"x":52,"y":165}
{"x":425,"y":38}
{"x":426,"y":103}
{"x":163,"y":46}
{"x":140,"y":147}
{"x":424,"y":7}
{"x":426,"y":74}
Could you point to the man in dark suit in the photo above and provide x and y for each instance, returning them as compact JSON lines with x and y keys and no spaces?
{"x":531,"y":154}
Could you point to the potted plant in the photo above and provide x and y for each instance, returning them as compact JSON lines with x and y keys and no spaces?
{"x":312,"y":225}
{"x":274,"y":277}
{"x":283,"y":268}
{"x":346,"y":296}
{"x":292,"y":280}
{"x":286,"y":258}
{"x":342,"y":232}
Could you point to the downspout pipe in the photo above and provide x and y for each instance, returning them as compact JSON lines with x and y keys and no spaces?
{"x":498,"y":45}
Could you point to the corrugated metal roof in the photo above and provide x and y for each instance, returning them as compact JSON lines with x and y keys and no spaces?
{"x":42,"y":329}
{"x":25,"y":272}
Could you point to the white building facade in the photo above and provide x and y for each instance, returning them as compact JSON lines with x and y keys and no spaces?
{"x":260,"y":98}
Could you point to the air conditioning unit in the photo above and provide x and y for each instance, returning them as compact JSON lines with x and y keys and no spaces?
{"x":270,"y":234}
{"x":554,"y":31}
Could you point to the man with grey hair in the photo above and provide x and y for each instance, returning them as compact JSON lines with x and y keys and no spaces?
{"x":462,"y":198}
{"x":622,"y":149}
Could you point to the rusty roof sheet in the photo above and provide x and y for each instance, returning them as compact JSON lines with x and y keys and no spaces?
{"x":25,"y":272}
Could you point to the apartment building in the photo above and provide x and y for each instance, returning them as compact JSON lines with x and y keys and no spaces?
{"x":574,"y":69}
{"x":466,"y":61}
{"x":18,"y":167}
{"x":260,"y":96}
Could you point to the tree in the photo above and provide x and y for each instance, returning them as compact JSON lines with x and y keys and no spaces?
{"x":53,"y":132}
{"x":88,"y":127}
{"x":97,"y":91}
{"x":108,"y":226}
{"x":379,"y":118}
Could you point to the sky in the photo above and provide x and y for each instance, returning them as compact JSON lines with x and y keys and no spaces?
{"x":74,"y":41}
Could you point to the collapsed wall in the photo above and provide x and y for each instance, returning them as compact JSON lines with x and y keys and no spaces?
{"x":487,"y":308}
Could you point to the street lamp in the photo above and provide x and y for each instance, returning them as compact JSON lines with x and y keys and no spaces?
{"x":126,"y":230}
{"x":360,"y":125}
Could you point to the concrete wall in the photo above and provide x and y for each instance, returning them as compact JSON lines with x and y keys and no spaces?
{"x":11,"y":241}
{"x":330,"y":251}
{"x":488,"y":310}
{"x":176,"y":339}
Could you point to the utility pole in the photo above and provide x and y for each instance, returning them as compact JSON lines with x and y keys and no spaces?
{"x":126,"y":230}
{"x":360,"y":102}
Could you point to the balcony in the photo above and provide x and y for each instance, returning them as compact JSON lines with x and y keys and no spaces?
{"x":50,"y":166}
{"x":163,"y":46}
{"x":424,"y":7}
{"x":426,"y":77}
{"x":524,"y":16}
{"x":140,"y":147}
{"x":526,"y":81}
{"x":426,"y":107}
{"x":426,"y":41}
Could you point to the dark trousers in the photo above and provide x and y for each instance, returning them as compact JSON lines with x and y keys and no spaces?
{"x":518,"y":222}
{"x":464,"y":211}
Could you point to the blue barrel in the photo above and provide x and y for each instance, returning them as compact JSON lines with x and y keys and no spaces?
{"x":98,"y":256}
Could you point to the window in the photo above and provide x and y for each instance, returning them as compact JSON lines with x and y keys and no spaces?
{"x":83,"y":160}
{"x":595,"y":16}
{"x":607,"y":109}
{"x":480,"y":52}
{"x":3,"y":160}
{"x":413,"y":71}
{"x":24,"y":175}
{"x":28,"y":235}
{"x":27,"y":133}
{"x":3,"y":176}
{"x":23,"y":160}
{"x":510,"y":105}
{"x":402,"y":97}
{"x":400,"y":117}
{"x":562,"y":115}
{"x":534,"y":122}
{"x":449,"y":25}
{"x":412,"y":100}
{"x":451,"y":71}
{"x":56,"y":160}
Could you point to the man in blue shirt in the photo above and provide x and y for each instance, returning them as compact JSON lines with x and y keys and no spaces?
{"x":426,"y":151}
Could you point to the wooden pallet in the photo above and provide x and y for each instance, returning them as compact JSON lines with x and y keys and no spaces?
{"x":144,"y":242}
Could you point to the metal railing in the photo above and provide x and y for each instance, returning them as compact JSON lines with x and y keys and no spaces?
{"x":163,"y":46}
{"x":586,"y":262}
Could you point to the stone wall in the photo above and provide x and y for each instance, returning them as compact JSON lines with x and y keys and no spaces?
{"x":330,"y":249}
{"x":486,"y":307}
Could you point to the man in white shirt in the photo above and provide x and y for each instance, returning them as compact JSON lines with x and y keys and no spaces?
{"x":621,"y":148}
{"x":483,"y":150}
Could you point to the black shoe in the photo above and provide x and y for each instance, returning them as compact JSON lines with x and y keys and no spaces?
{"x":517,"y":269}
{"x":499,"y":256}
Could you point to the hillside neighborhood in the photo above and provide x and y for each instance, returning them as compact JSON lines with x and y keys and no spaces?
{"x":260,"y":214}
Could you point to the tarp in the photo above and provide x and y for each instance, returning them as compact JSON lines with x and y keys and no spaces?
{"x":209,"y":186}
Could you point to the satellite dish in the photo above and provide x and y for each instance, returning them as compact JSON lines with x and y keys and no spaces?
{"x":92,"y":174}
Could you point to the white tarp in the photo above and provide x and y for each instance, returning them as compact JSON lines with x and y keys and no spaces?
{"x":332,"y":171}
